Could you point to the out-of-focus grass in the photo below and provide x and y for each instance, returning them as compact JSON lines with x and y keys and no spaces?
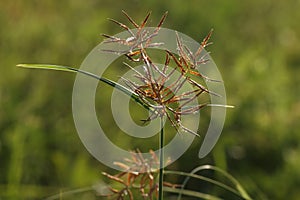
{"x":255,"y":47}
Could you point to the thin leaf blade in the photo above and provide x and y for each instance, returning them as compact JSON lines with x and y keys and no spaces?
{"x":47,"y":66}
{"x":116,"y":85}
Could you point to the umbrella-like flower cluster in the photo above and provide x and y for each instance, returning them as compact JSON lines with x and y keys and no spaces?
{"x":138,"y":175}
{"x":164,"y":100}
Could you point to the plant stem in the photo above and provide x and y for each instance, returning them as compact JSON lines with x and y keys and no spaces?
{"x":161,"y":160}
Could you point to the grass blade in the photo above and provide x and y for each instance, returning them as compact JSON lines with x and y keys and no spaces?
{"x":116,"y":85}
{"x":237,"y":189}
{"x":203,"y":178}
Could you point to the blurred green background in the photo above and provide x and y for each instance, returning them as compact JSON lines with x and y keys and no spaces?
{"x":256,"y":47}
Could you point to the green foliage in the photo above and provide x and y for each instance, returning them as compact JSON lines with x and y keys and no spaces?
{"x":256,"y":49}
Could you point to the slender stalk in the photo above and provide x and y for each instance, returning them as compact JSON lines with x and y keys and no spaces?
{"x":161,"y":160}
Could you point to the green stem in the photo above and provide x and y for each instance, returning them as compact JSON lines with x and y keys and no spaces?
{"x":161,"y":160}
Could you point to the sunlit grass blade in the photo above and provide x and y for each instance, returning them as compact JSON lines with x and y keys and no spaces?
{"x":220,"y":105}
{"x":48,"y":66}
{"x":203,"y":178}
{"x":236,"y":187}
{"x":118,"y":86}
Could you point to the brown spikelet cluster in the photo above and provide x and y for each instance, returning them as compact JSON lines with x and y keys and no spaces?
{"x":138,"y":176}
{"x":164,"y":100}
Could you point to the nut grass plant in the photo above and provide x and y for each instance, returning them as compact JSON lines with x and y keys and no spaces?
{"x":138,"y":180}
{"x":149,"y":89}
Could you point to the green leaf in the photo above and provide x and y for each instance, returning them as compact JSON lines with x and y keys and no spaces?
{"x":116,"y":85}
{"x":236,"y":187}
{"x":48,"y":66}
{"x":202,"y":178}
